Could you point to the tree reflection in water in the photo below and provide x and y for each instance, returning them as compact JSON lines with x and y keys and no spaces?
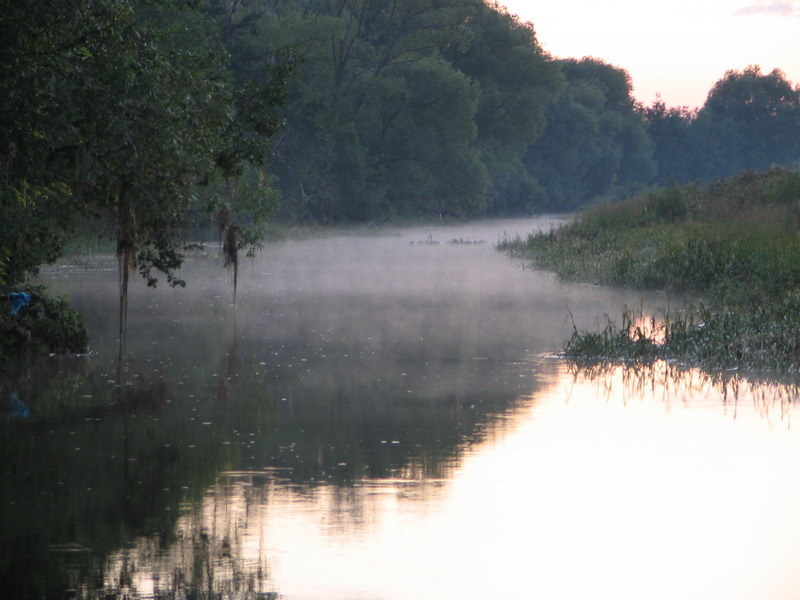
{"x":113,"y":489}
{"x":213,"y":553}
{"x":222,"y":549}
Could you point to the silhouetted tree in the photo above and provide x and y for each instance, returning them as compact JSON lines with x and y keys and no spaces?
{"x":595,"y":142}
{"x":675,"y":150}
{"x":750,"y":120}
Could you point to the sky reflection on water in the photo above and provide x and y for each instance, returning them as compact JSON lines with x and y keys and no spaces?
{"x":663,"y":494}
{"x":664,"y":491}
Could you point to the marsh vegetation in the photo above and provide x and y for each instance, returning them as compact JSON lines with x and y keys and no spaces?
{"x":731,"y":244}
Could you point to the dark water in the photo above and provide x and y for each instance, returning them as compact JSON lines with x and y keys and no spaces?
{"x":381,"y":417}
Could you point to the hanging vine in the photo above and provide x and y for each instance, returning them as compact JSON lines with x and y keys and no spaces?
{"x":230,"y":249}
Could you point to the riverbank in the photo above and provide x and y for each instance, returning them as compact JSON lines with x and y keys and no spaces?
{"x":732,"y":244}
{"x":32,"y":323}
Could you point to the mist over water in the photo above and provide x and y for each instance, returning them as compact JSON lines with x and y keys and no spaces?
{"x":382,"y":416}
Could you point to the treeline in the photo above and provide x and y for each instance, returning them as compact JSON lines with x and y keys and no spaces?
{"x":412,"y":107}
{"x":451,"y":107}
{"x":750,"y":120}
{"x":146,"y":114}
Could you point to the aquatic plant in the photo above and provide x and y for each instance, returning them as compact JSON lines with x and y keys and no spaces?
{"x":629,"y":342}
{"x":763,"y":339}
{"x":466,"y":241}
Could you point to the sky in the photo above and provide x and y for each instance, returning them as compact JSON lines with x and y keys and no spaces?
{"x":677,"y":49}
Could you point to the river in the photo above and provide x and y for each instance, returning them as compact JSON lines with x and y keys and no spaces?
{"x":383,"y":416}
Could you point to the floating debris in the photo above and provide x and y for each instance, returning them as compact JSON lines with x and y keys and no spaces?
{"x":429,"y":242}
{"x":466,"y":241}
{"x":19,"y":300}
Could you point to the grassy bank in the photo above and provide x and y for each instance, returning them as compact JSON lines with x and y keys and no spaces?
{"x":734,"y":244}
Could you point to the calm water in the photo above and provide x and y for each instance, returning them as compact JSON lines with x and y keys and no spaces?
{"x":381,"y":417}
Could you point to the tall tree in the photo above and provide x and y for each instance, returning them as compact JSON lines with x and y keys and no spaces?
{"x":378,"y":123}
{"x":132,"y":107}
{"x":517,"y":81}
{"x":750,"y":120}
{"x":675,"y":149}
{"x":41,"y":44}
{"x":595,"y":143}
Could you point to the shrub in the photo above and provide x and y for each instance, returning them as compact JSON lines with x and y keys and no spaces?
{"x":670,"y":204}
{"x":45,"y":326}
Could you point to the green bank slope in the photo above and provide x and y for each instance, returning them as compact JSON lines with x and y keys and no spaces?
{"x":734,"y":244}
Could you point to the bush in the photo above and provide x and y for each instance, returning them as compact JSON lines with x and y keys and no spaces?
{"x":670,"y":204}
{"x":45,"y":326}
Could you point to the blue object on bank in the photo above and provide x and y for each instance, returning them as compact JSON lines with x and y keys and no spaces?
{"x":18,"y":408}
{"x":18,"y":300}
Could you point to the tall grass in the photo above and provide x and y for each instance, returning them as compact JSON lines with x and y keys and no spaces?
{"x":734,"y":244}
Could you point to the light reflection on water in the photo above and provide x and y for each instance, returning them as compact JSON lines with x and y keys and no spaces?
{"x":615,"y":483}
{"x":379,"y":419}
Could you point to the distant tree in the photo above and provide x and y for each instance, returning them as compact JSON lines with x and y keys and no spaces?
{"x":424,"y":154}
{"x":595,"y":143}
{"x":750,"y":120}
{"x":378,"y":123}
{"x":517,"y":81}
{"x":400,"y":107}
{"x":675,"y":147}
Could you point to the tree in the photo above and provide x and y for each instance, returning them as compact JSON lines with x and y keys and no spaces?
{"x":749,"y":121}
{"x":379,"y":123}
{"x":118,"y":111}
{"x":517,"y":81}
{"x":36,"y":222}
{"x":675,"y":146}
{"x":424,"y":154}
{"x":595,"y":142}
{"x":40,"y":44}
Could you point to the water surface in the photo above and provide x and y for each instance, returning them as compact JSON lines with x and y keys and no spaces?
{"x":383,"y":417}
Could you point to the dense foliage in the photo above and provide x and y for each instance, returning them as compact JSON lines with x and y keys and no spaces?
{"x":732,"y":244}
{"x":138,"y":118}
{"x":141,"y":113}
{"x":451,"y":108}
{"x":45,"y":325}
{"x":750,"y":120}
{"x":124,"y":114}
{"x":116,"y":111}
{"x":415,"y":107}
{"x":595,"y":142}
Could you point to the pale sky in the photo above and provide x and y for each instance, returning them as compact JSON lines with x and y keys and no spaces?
{"x":678,"y":49}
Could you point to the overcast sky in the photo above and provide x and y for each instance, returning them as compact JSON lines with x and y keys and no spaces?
{"x":678,"y":49}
